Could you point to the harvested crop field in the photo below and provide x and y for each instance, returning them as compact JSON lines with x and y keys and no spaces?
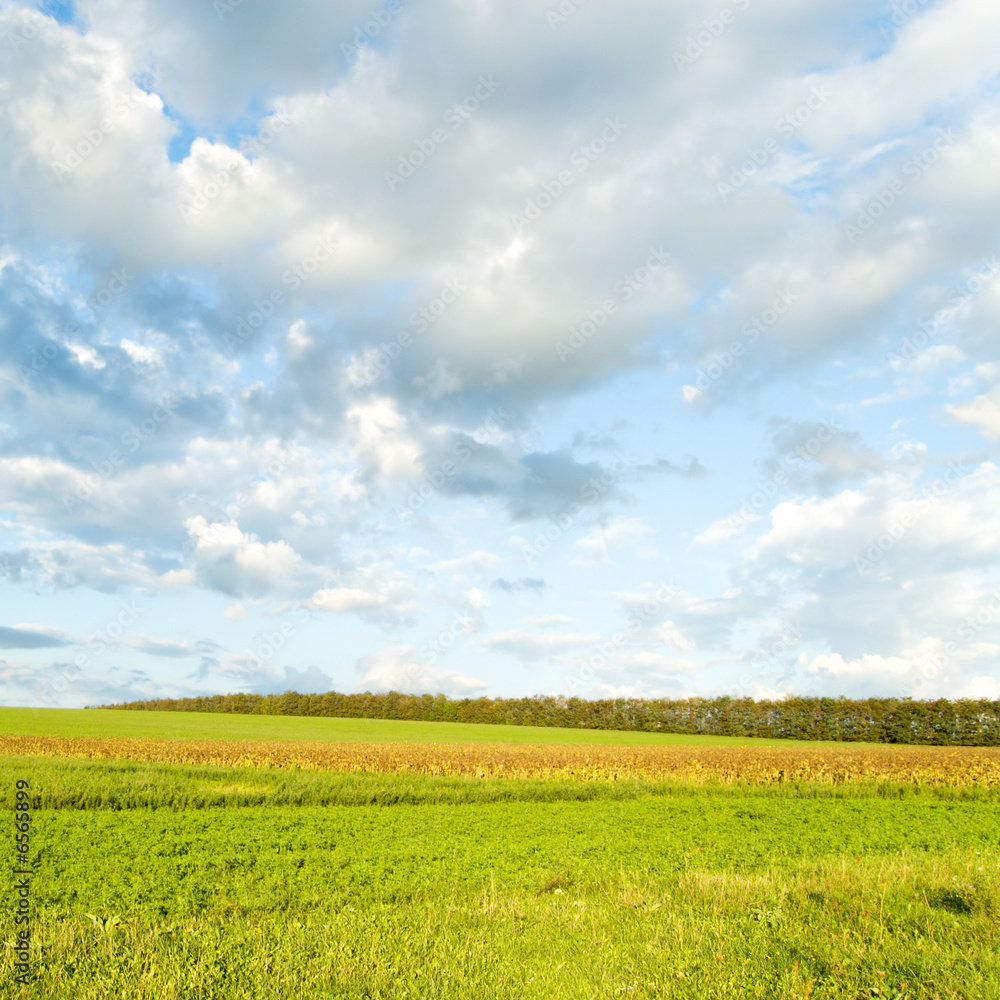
{"x":758,"y":765}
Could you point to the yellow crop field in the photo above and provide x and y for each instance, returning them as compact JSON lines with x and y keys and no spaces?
{"x":758,"y":765}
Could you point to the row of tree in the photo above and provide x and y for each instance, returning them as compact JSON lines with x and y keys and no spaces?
{"x":966,"y":722}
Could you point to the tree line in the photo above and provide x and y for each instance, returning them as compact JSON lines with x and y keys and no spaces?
{"x":965,"y":722}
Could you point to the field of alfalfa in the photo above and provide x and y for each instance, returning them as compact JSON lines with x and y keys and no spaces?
{"x":247,"y":857}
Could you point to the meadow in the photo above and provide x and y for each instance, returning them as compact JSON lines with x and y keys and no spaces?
{"x":69,"y":722}
{"x":196,"y":880}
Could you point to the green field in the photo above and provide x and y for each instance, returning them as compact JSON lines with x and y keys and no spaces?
{"x":158,"y":881}
{"x":205,"y":726}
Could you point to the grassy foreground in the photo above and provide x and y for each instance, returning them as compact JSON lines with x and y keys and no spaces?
{"x":71,"y":722}
{"x":168,"y":881}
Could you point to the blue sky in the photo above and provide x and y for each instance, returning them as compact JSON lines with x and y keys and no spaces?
{"x":499,"y":349}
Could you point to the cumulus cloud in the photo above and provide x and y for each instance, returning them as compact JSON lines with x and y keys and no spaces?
{"x":312,"y":680}
{"x":982,"y":412}
{"x":235,"y":562}
{"x":478,"y":562}
{"x":156,"y":646}
{"x":398,"y":668}
{"x":29,"y":637}
{"x":540,"y":642}
{"x":377,"y":592}
{"x":594,"y":548}
{"x":723,"y":529}
{"x":259,"y":350}
{"x":524,"y":583}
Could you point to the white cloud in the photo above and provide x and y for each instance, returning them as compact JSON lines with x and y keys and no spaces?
{"x":382,"y":439}
{"x":872,"y":668}
{"x":247,"y":282}
{"x":931,"y":360}
{"x":675,"y":638}
{"x":234,"y":561}
{"x":298,"y":337}
{"x":377,"y":591}
{"x":723,"y":529}
{"x":86,"y":356}
{"x":531,"y":646}
{"x":478,"y":601}
{"x":156,"y":646}
{"x":954,"y":516}
{"x":142,"y":354}
{"x":343,"y":599}
{"x":621,"y":532}
{"x":479,"y":562}
{"x":551,"y":621}
{"x":397,"y":668}
{"x":983,"y":412}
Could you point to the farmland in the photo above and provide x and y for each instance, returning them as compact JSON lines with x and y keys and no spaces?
{"x":940,"y":722}
{"x":395,"y":869}
{"x":759,"y":765}
{"x":201,"y":726}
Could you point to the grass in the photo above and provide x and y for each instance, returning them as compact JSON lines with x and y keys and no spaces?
{"x":203,"y":725}
{"x":169,"y":881}
{"x":60,"y":783}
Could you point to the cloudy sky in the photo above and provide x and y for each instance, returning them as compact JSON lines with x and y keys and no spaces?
{"x":499,"y":347}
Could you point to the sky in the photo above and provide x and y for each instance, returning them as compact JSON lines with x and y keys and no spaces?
{"x":499,"y":348}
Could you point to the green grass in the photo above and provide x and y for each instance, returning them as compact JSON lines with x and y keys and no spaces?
{"x":167,"y":882}
{"x":206,"y":726}
{"x":72,"y":783}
